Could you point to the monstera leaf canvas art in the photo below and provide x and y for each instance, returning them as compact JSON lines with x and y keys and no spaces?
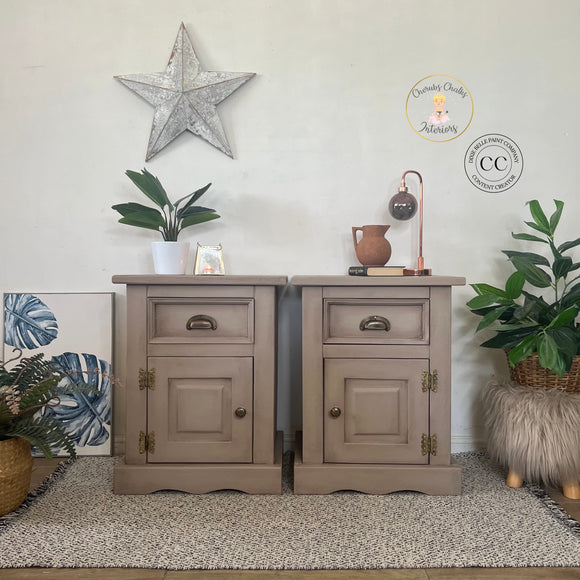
{"x":76,"y":332}
{"x":28,"y":322}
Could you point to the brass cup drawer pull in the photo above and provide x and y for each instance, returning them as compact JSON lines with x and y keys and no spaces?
{"x":201,"y":322}
{"x":375,"y":322}
{"x":335,"y":412}
{"x":240,"y":412}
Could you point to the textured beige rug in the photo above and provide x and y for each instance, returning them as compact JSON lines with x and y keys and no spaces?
{"x":78,"y":522}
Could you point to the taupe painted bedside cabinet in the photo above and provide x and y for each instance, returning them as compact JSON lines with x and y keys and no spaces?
{"x":201,"y":384}
{"x":376,"y":385}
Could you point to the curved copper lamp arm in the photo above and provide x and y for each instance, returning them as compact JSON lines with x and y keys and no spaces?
{"x":420,"y":270}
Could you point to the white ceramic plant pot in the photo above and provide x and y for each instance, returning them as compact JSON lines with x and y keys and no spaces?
{"x":170,"y":257}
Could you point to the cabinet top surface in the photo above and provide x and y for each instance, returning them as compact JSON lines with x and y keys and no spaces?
{"x":168,"y":279}
{"x":378,"y":281}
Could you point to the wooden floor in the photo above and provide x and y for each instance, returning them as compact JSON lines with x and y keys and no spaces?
{"x":42,"y":468}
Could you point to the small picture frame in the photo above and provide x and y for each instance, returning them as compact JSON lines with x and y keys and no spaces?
{"x":209,"y":261}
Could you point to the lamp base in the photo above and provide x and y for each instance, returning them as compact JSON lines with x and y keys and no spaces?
{"x":416,"y":272}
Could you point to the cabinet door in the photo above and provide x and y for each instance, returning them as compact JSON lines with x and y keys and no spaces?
{"x":375,"y":411}
{"x":200,"y":410}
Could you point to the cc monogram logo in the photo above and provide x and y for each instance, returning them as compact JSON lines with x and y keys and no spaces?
{"x":493,"y":163}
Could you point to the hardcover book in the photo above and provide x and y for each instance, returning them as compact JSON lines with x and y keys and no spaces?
{"x":376,"y":270}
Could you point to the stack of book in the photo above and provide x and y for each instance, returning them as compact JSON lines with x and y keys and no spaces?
{"x":376,"y":270}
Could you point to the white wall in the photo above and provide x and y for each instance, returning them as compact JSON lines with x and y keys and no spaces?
{"x":320,"y":138}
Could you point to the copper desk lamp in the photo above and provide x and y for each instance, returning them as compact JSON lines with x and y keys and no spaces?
{"x":403,"y":206}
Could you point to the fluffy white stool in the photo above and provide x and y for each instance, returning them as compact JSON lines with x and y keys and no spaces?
{"x":535,"y":433}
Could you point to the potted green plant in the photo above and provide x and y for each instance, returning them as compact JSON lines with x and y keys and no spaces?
{"x":25,"y":389}
{"x":534,"y":314}
{"x":169,"y":256}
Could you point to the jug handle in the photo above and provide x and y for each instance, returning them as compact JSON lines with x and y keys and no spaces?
{"x":354,"y":231}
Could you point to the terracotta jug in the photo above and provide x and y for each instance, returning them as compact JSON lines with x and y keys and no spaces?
{"x":372,"y":249}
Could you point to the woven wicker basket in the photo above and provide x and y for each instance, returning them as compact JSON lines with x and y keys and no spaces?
{"x":15,"y":472}
{"x":529,"y":373}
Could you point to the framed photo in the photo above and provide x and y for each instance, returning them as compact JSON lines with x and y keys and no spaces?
{"x":209,"y":261}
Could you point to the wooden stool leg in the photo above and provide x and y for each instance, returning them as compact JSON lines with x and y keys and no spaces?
{"x":571,"y":489}
{"x":513,"y":479}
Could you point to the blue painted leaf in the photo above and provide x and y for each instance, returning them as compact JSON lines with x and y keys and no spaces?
{"x":86,"y":417}
{"x":28,"y":322}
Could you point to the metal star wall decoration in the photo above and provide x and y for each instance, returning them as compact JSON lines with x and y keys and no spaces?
{"x":185,"y":97}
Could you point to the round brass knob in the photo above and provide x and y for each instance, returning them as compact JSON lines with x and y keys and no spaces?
{"x":240,"y":412}
{"x":335,"y":412}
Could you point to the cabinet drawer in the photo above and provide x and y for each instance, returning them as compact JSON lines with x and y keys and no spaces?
{"x":201,"y":320}
{"x":376,"y":321}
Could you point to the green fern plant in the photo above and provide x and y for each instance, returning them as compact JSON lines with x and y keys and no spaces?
{"x":30,"y":385}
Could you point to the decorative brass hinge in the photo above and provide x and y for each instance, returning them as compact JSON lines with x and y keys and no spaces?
{"x":146,"y":442}
{"x":429,"y":381}
{"x":429,"y":444}
{"x":146,"y":379}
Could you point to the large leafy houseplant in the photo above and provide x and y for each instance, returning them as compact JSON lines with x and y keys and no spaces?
{"x":173,"y":217}
{"x":543,"y":320}
{"x":32,"y":385}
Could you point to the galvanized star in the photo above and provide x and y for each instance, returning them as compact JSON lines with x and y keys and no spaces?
{"x":185,"y":97}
